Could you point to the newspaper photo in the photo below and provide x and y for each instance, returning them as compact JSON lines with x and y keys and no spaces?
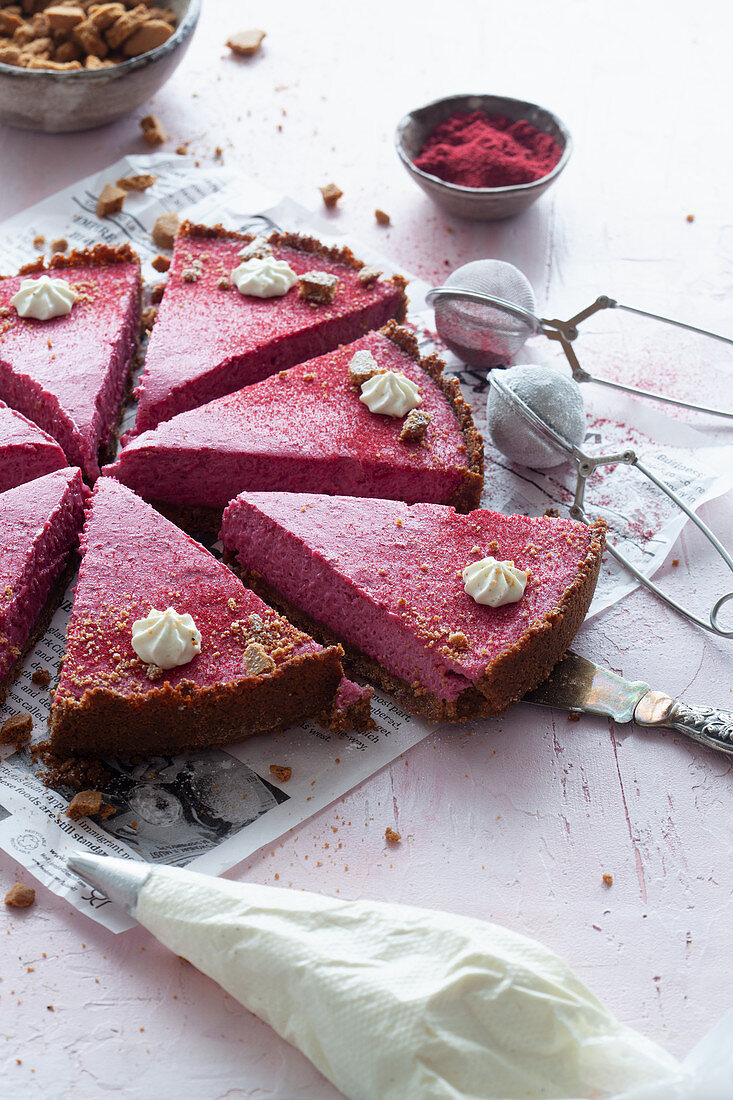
{"x":209,"y":810}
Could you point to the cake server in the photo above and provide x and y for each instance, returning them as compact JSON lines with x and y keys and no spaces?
{"x":579,"y":685}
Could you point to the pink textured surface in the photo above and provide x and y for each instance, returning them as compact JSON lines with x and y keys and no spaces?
{"x":515,"y":819}
{"x":39,"y":525}
{"x":208,"y":341}
{"x":68,"y":374}
{"x":26,"y":452}
{"x":387,"y":577}
{"x":304,"y":431}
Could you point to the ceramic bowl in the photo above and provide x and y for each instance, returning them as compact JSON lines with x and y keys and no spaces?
{"x":479,"y":203}
{"x":39,"y":99}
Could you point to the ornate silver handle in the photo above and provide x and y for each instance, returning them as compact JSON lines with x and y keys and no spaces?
{"x":709,"y":726}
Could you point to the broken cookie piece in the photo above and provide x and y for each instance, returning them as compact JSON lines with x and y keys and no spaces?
{"x":368,"y":275}
{"x":391,"y":836}
{"x":256,"y":249}
{"x":331,"y":194}
{"x":281,"y":772}
{"x":415,"y":426}
{"x":362,"y":367}
{"x":161,"y":263}
{"x":140,"y":182}
{"x":165,"y":229}
{"x":257,"y":660}
{"x":246,"y":43}
{"x":84,"y":804}
{"x":20,"y":896}
{"x":153,"y":130}
{"x":41,"y":677}
{"x":318,"y":286}
{"x":16,"y":730}
{"x":382,"y":218}
{"x":110,"y":201}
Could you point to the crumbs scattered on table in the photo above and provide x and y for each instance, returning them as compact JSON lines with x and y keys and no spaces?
{"x":246,"y":43}
{"x":391,"y":836}
{"x":39,"y":241}
{"x":281,"y":773}
{"x":690,"y":218}
{"x":331,"y":194}
{"x":382,"y":217}
{"x":607,"y":879}
{"x":574,"y":716}
{"x":20,"y":896}
{"x":16,"y":730}
{"x":139,"y":182}
{"x":675,"y":562}
{"x":153,"y":130}
{"x":165,"y":229}
{"x":161,"y":263}
{"x":110,"y":201}
{"x":60,"y":245}
{"x":41,"y":677}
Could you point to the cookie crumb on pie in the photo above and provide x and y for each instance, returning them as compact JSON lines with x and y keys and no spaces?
{"x":382,"y":218}
{"x":20,"y":896}
{"x":391,"y":836}
{"x":84,"y":804}
{"x":110,"y":201}
{"x":368,"y":275}
{"x":246,"y":43}
{"x":331,"y":194}
{"x":193,"y":272}
{"x":458,"y":640}
{"x":318,"y":286}
{"x":153,"y":672}
{"x":224,"y":283}
{"x":257,"y":660}
{"x":165,"y":229}
{"x":139,"y":182}
{"x":41,"y":677}
{"x":415,"y":426}
{"x":16,"y":730}
{"x":257,"y":249}
{"x":280,"y":772}
{"x":362,"y":367}
{"x":149,"y":316}
{"x":153,"y":130}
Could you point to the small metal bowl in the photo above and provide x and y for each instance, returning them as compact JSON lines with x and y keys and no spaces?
{"x":479,"y":203}
{"x":53,"y":102}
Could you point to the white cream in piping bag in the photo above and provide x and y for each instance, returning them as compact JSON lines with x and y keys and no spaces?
{"x":44,"y":298}
{"x":391,"y":1002}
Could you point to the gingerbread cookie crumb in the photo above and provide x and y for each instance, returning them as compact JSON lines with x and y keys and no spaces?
{"x":59,"y":245}
{"x":256,"y":249}
{"x":368,"y":275}
{"x":318,"y":286}
{"x":110,"y":201}
{"x":20,"y":896}
{"x":607,"y":879}
{"x":281,"y":773}
{"x":165,"y":229}
{"x":149,"y":317}
{"x":153,"y":130}
{"x":84,"y":804}
{"x":41,"y":677}
{"x":257,"y":660}
{"x":140,"y":182}
{"x":246,"y":43}
{"x":362,"y":367}
{"x":16,"y":730}
{"x":224,"y":283}
{"x":39,"y":241}
{"x":161,"y":263}
{"x":415,"y":426}
{"x":331,"y":194}
{"x":382,"y":218}
{"x":391,"y":836}
{"x":458,"y":640}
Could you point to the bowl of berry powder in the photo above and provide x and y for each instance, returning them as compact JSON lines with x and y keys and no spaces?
{"x":483,"y":156}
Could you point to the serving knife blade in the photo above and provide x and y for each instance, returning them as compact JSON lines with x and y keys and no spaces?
{"x":580,"y":685}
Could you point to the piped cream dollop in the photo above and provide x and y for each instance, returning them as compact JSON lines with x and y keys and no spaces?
{"x":264,"y":277}
{"x":165,"y":638}
{"x":493,"y":582}
{"x":390,"y":393}
{"x":44,"y":298}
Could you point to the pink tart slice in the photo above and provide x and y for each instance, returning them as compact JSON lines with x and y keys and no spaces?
{"x":307,"y":429}
{"x":26,"y":452}
{"x":210,"y":339}
{"x":386,"y":578}
{"x":40,"y":522}
{"x":69,"y":374}
{"x":254,"y":672}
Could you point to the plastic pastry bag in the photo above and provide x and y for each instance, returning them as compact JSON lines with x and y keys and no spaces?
{"x":396,"y":1003}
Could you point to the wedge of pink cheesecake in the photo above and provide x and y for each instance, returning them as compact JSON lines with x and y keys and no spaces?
{"x":26,"y":452}
{"x":40,"y":522}
{"x":306,"y":429}
{"x":69,"y":374}
{"x":385,"y":578}
{"x":210,"y":340}
{"x":255,"y":672}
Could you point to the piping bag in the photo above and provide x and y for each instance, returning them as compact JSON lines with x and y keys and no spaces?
{"x":392,"y":1002}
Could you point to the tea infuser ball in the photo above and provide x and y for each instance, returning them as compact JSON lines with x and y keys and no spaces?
{"x":479,"y":333}
{"x":554,"y":397}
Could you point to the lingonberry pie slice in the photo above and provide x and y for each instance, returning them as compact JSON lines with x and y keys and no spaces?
{"x":308,"y":429}
{"x":40,"y":522}
{"x":389,"y":581}
{"x":68,"y":372}
{"x":166,"y":650}
{"x":26,"y":452}
{"x":211,"y":338}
